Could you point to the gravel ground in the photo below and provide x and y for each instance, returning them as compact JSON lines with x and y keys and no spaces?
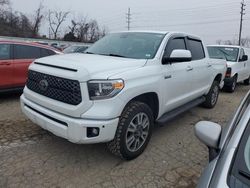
{"x":32,"y":157}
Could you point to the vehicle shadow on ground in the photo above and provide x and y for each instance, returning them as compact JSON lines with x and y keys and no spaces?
{"x":10,"y":95}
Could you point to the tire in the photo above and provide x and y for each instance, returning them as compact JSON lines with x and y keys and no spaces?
{"x":232,"y":86}
{"x":247,"y":81}
{"x":128,"y":142}
{"x":212,"y":97}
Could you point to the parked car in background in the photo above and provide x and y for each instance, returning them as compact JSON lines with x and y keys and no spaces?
{"x":238,"y":63}
{"x":229,"y":150}
{"x":75,"y":49}
{"x":120,"y":86}
{"x":15,"y":58}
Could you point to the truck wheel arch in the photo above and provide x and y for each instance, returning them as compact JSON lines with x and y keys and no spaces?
{"x":218,"y":78}
{"x":151,"y":99}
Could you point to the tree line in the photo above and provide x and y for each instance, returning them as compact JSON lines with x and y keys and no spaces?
{"x":244,"y":42}
{"x":18,"y":24}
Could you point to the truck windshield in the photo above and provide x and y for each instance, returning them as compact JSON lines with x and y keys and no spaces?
{"x":228,"y":53}
{"x":128,"y":45}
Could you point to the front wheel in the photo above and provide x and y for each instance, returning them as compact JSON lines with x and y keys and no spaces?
{"x":212,"y":97}
{"x":133,"y":132}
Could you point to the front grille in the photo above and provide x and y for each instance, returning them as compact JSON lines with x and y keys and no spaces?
{"x":57,"y":88}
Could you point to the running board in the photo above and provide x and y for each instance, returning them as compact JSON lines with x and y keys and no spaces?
{"x":172,"y":114}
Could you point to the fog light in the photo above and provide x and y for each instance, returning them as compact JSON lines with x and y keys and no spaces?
{"x":92,"y":132}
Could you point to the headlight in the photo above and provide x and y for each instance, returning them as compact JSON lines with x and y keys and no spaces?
{"x":104,"y":89}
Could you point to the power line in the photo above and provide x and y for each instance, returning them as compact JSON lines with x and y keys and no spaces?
{"x":242,"y":13}
{"x":128,"y":17}
{"x":190,"y":23}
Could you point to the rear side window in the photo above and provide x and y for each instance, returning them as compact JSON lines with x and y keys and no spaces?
{"x":26,"y":52}
{"x":46,"y":52}
{"x":175,"y":44}
{"x":196,"y":48}
{"x":4,"y":51}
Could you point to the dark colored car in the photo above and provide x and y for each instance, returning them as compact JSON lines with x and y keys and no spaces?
{"x":15,"y":58}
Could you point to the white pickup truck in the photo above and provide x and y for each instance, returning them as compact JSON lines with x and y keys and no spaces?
{"x":120,"y":87}
{"x":238,"y":63}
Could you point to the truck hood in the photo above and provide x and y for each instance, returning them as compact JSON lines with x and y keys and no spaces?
{"x":87,"y":66}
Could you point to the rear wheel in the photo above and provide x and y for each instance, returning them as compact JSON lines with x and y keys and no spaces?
{"x":232,"y":86}
{"x":133,"y":132}
{"x":247,"y":81}
{"x":212,"y":97}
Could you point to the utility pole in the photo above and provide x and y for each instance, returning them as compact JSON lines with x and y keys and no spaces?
{"x":242,"y":13}
{"x":128,"y":18}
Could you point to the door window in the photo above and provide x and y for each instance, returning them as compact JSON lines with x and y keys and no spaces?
{"x":4,"y":51}
{"x":175,"y":44}
{"x":196,"y":49}
{"x":26,"y":52}
{"x":242,"y":52}
{"x":241,"y":165}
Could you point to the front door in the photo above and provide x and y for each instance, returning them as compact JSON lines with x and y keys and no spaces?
{"x":177,"y":77}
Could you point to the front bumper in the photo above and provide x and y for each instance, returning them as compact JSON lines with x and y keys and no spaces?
{"x":72,"y":129}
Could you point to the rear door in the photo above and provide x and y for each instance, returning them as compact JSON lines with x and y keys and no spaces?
{"x":201,"y":74}
{"x":6,"y":66}
{"x":24,"y":55}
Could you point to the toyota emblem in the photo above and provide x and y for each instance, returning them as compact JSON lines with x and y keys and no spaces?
{"x":43,"y":85}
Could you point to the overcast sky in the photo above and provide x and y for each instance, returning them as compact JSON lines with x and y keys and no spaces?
{"x":210,"y":19}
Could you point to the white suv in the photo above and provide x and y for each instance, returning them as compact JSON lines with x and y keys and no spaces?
{"x":122,"y":85}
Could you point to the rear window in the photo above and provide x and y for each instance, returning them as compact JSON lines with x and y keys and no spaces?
{"x":26,"y":52}
{"x":4,"y":51}
{"x":196,"y":48}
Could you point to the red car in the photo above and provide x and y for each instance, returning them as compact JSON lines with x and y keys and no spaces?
{"x":15,"y":58}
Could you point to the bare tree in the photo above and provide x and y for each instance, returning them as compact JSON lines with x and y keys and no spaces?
{"x":219,"y":41}
{"x":4,"y":2}
{"x":56,"y":18}
{"x":82,"y":30}
{"x":245,"y":42}
{"x":73,"y":26}
{"x":37,"y":20}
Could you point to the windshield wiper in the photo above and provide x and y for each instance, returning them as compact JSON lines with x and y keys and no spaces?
{"x":88,"y":52}
{"x":245,"y":174}
{"x":116,"y":55}
{"x":225,"y":53}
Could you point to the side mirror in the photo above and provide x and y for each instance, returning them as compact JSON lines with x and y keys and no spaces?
{"x":244,"y":58}
{"x":208,"y":133}
{"x":178,"y":56}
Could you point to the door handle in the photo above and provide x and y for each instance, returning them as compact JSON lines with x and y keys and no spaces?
{"x":189,"y":68}
{"x":167,"y":77}
{"x":5,"y":63}
{"x":209,"y":65}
